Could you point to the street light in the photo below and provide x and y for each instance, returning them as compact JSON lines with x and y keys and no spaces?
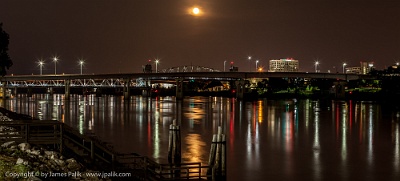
{"x":224,"y":64}
{"x":81,"y":62}
{"x":249,"y":58}
{"x":316,"y":66}
{"x":41,"y":63}
{"x":257,"y":65}
{"x":55,"y":59}
{"x":157,"y":61}
{"x":344,"y":65}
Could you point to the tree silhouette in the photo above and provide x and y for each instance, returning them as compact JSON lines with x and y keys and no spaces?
{"x":5,"y":61}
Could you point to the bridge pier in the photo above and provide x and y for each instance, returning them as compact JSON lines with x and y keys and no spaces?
{"x":50,"y":90}
{"x":14,"y":91}
{"x":67,"y":89}
{"x":146,"y":92}
{"x":179,"y":89}
{"x":98,"y":92}
{"x":29,"y":92}
{"x":239,"y":89}
{"x":126,"y":90}
{"x":339,"y":90}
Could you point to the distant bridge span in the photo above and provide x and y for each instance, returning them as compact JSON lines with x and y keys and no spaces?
{"x":143,"y":80}
{"x":187,"y":75}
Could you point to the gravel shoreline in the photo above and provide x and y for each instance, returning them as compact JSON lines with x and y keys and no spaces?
{"x":22,"y":161}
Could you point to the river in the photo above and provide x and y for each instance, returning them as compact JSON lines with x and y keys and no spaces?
{"x":266,"y":139}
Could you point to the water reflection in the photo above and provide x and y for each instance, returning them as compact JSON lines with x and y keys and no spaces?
{"x":266,"y":139}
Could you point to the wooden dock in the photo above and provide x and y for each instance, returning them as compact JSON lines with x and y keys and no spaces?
{"x":93,"y":152}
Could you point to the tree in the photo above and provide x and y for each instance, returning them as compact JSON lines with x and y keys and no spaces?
{"x":5,"y":61}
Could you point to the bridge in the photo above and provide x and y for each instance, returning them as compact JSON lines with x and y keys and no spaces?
{"x":126,"y":81}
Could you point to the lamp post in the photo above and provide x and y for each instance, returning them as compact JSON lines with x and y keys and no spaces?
{"x":55,"y":59}
{"x":316,"y":66}
{"x":41,"y":63}
{"x":157,"y":61}
{"x":81,"y":62}
{"x":249,"y":58}
{"x":344,"y":65}
{"x":257,"y":65}
{"x":224,"y":64}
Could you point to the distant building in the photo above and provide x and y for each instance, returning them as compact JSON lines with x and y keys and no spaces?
{"x":284,"y":65}
{"x":233,"y":69}
{"x":366,"y":67}
{"x":353,"y":70}
{"x":147,"y":68}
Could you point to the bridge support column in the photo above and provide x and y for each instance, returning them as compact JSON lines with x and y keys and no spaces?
{"x":239,"y":89}
{"x":339,"y":90}
{"x":147,"y":91}
{"x":127,"y":94}
{"x":14,"y":91}
{"x":67,"y":89}
{"x":98,"y":92}
{"x":179,"y":89}
{"x":50,"y":90}
{"x":29,"y":92}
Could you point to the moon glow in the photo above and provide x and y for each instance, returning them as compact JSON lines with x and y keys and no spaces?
{"x":196,"y":11}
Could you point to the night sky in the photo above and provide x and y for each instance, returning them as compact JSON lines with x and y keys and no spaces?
{"x":119,"y":36}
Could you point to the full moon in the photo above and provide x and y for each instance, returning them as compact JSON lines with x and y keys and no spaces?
{"x":196,"y":11}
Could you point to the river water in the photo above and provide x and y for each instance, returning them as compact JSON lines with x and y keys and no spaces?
{"x":266,"y":139}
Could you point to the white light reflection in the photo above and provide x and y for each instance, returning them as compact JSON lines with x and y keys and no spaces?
{"x":252,"y":140}
{"x":370,"y":136}
{"x":316,"y":148}
{"x":81,"y":115}
{"x":396,"y":152}
{"x":344,"y":153}
{"x":156,"y":133}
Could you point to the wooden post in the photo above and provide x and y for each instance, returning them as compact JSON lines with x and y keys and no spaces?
{"x":212,"y":156}
{"x":26,"y":133}
{"x":217,"y":164}
{"x":177,"y":151}
{"x":61,"y":137}
{"x":177,"y":155}
{"x":223,"y":157}
{"x":92,"y":150}
{"x":170,"y":143}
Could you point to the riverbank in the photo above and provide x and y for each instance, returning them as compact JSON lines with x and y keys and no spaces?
{"x":22,"y":161}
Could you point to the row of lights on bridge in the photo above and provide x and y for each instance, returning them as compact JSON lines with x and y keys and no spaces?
{"x":55,"y":59}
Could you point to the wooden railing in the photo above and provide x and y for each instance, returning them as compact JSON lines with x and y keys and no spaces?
{"x":148,"y":169}
{"x":32,"y":131}
{"x":51,"y":132}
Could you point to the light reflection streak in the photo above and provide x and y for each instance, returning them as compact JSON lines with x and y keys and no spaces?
{"x":316,"y":148}
{"x":344,"y":153}
{"x":370,"y":137}
{"x":252,"y":142}
{"x":396,"y":152}
{"x":346,"y":123}
{"x":195,"y":148}
{"x":260,"y":111}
